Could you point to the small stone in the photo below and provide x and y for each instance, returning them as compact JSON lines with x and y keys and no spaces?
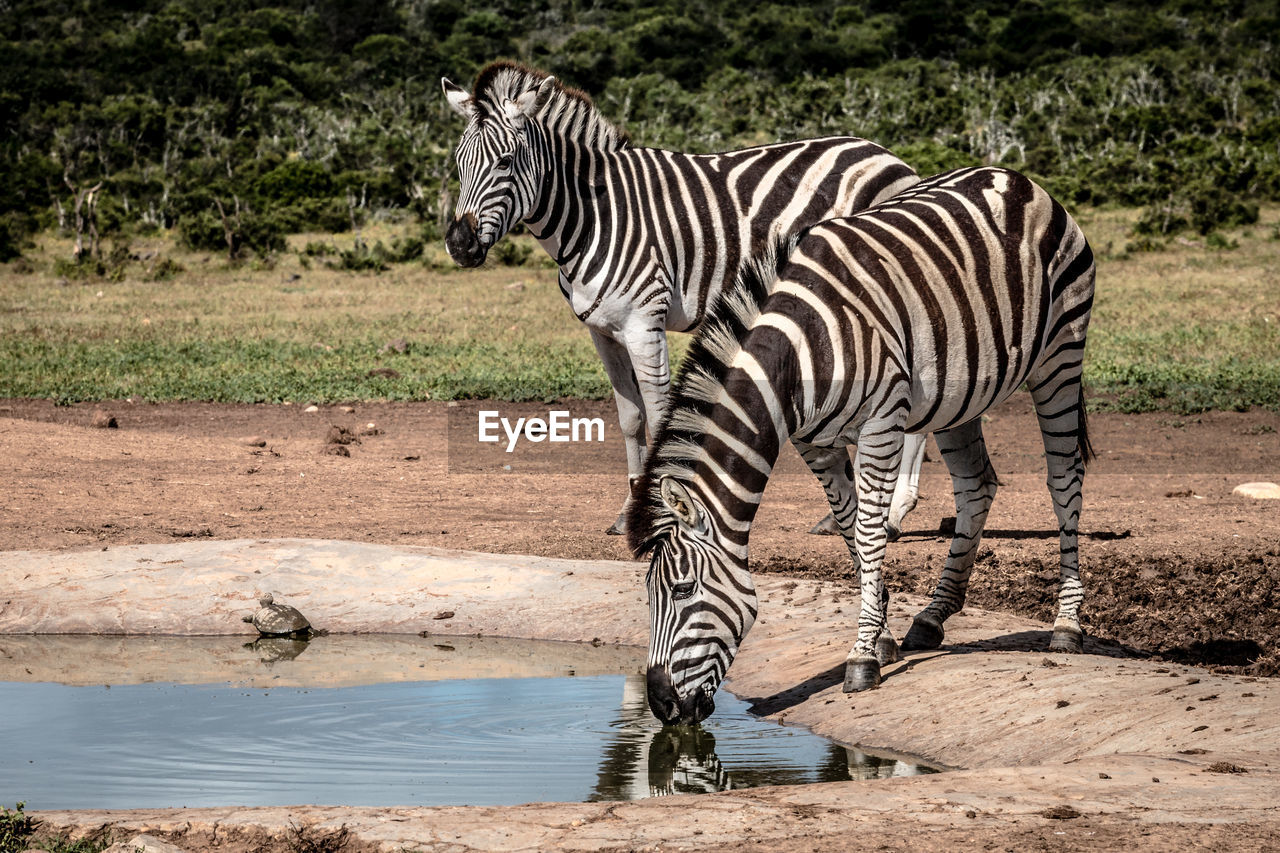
{"x":254,"y":441}
{"x":1103,"y":776}
{"x":103,"y":419}
{"x":443,"y":614}
{"x":311,"y":409}
{"x":336,"y":450}
{"x":340,"y":435}
{"x":1260,"y":491}
{"x":1061,"y":812}
{"x":399,"y":345}
{"x":349,"y":410}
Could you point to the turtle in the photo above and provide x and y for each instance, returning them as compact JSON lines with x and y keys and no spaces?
{"x":279,"y":620}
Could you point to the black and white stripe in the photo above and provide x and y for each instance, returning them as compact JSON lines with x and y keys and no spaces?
{"x":915,"y":316}
{"x":645,"y":239}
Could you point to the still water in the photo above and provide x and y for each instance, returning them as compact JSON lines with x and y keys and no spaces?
{"x":439,"y":740}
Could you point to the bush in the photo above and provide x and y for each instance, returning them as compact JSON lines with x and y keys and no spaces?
{"x":205,"y":231}
{"x":1202,"y":207}
{"x":294,"y":181}
{"x":509,"y":253}
{"x":16,"y":828}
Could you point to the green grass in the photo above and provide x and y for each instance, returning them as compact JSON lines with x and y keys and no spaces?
{"x":1182,"y":328}
{"x":1187,"y":327}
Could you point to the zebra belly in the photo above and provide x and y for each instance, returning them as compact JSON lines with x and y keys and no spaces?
{"x":948,"y":401}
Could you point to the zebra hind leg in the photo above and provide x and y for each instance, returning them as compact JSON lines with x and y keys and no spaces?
{"x":1060,"y":409}
{"x":974,"y":482}
{"x":907,"y":491}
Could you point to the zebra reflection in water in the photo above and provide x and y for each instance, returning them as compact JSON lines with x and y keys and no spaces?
{"x":645,"y":761}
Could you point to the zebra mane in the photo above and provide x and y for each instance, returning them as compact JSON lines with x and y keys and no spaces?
{"x":569,"y":112}
{"x":697,"y":389}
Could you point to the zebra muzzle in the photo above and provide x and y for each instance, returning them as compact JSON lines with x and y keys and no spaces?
{"x":463,"y":243}
{"x":670,"y":707}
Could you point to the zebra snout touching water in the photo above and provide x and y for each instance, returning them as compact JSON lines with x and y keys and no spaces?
{"x":915,"y":316}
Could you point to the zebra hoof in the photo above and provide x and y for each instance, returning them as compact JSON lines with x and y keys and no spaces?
{"x":826,"y":527}
{"x":887,"y":650}
{"x":892,"y":532}
{"x":923,"y":636}
{"x":618,"y":528}
{"x":1067,"y":639}
{"x":861,"y":674}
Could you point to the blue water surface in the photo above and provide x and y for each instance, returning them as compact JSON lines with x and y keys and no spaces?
{"x":462,"y":742}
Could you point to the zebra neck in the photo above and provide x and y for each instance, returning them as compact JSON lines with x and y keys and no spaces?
{"x":726,"y":457}
{"x":565,"y":215}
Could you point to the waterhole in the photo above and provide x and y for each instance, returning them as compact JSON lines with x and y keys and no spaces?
{"x":157,"y":723}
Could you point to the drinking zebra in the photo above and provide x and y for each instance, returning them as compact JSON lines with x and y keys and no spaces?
{"x":917,"y":315}
{"x":645,"y":239}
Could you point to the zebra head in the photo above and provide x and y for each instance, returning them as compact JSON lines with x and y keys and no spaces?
{"x":701,"y":604}
{"x":498,"y":168}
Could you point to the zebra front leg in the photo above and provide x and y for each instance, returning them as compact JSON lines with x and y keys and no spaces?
{"x":1060,"y":410}
{"x":867,"y":486}
{"x":631,"y":413}
{"x":974,"y":482}
{"x":834,"y":470}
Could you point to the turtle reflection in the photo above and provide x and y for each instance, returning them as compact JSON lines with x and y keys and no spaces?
{"x":271,"y":650}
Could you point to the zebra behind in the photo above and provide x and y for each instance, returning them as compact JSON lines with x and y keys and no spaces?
{"x":645,"y":239}
{"x":915,"y":316}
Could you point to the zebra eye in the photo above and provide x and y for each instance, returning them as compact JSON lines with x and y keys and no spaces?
{"x":504,"y":162}
{"x":682,"y":591}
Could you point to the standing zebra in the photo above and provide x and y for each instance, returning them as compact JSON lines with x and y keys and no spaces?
{"x":917,"y":315}
{"x":645,"y":239}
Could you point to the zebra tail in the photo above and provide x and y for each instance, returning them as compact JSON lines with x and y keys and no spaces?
{"x":1087,"y":454}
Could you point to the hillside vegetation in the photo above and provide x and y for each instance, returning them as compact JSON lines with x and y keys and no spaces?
{"x":238,"y":122}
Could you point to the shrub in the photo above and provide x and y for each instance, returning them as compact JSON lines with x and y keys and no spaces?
{"x":509,"y":253}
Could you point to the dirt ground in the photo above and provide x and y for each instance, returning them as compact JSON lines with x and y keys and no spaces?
{"x":1174,"y":563}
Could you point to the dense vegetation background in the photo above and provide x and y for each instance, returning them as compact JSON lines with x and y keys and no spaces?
{"x":221,"y":116}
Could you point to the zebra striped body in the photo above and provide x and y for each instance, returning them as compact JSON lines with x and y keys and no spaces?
{"x":645,"y":239}
{"x":917,"y":315}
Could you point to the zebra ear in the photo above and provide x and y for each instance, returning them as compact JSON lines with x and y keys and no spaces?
{"x":529,"y":103}
{"x":679,"y":501}
{"x":458,"y":98}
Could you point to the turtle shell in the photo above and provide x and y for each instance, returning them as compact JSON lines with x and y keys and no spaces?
{"x":279,"y":620}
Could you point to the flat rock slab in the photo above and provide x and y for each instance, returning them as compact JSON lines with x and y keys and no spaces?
{"x":208,"y":587}
{"x":1055,"y":747}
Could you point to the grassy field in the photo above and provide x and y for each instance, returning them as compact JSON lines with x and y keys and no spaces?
{"x":1185,"y":327}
